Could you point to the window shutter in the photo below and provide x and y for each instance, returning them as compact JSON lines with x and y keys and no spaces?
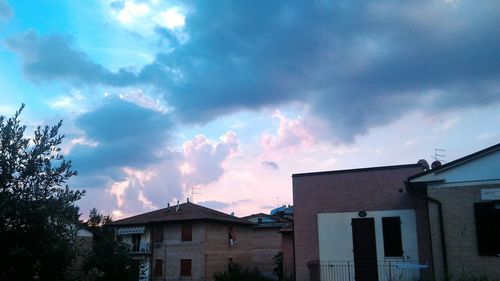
{"x":158,"y":234}
{"x":393,"y":245}
{"x":485,"y":228}
{"x":186,"y":267}
{"x":186,"y":233}
{"x":158,"y":269}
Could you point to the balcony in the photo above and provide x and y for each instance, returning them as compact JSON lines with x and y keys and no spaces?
{"x":138,"y":248}
{"x":387,"y":270}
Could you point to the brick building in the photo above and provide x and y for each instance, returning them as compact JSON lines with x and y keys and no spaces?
{"x":359,"y":223}
{"x":267,"y":240}
{"x":186,"y":242}
{"x":464,"y":213}
{"x":287,"y":247}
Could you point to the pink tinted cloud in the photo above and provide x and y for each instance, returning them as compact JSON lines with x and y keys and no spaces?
{"x":203,"y":158}
{"x":291,"y":133}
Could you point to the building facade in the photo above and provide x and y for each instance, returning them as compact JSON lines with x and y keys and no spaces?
{"x":186,"y":242}
{"x":267,"y":241}
{"x":464,"y":214}
{"x":360,"y":224}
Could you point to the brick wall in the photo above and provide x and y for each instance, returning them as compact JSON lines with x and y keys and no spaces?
{"x":266,"y":244}
{"x":460,"y":232}
{"x":171,"y":250}
{"x":209,"y":249}
{"x":349,"y":191}
{"x":218,"y":251}
{"x":288,"y":255}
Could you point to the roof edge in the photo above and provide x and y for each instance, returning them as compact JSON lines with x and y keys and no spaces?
{"x":182,"y":220}
{"x":357,"y":170}
{"x":458,"y":161}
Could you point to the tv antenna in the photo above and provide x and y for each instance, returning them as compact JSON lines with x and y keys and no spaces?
{"x":438,"y":154}
{"x":194,"y":191}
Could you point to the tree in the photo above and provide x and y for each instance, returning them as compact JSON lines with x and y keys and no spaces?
{"x":278,"y":269}
{"x":37,"y":211}
{"x":110,"y":259}
{"x":97,"y":220}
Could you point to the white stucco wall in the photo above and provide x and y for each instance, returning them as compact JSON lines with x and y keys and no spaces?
{"x":335,"y":234}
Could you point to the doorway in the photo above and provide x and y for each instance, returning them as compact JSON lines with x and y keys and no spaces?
{"x":364,"y":249}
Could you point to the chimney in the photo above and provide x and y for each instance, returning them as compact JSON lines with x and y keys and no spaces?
{"x":178,"y":207}
{"x":168,"y":205}
{"x":187,"y":199}
{"x":232,"y":214}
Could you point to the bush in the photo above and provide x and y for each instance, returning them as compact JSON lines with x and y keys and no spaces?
{"x":238,"y":273}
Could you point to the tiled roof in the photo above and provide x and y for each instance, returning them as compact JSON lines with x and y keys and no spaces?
{"x":187,"y":211}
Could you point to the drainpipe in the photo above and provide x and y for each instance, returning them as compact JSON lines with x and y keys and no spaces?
{"x":441,"y":224}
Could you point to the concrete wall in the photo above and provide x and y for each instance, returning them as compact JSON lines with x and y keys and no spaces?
{"x":266,"y":244}
{"x":460,"y":231}
{"x":354,"y":191}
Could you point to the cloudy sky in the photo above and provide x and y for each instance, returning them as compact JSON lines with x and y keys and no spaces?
{"x":232,"y":97}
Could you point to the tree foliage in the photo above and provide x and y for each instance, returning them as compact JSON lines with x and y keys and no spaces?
{"x":238,"y":273}
{"x":108,"y":258}
{"x":278,"y":269}
{"x":37,"y":211}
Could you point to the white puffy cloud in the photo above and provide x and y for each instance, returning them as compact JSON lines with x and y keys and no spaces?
{"x":204,"y":158}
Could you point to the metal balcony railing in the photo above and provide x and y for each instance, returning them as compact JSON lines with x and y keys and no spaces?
{"x":386,"y":270}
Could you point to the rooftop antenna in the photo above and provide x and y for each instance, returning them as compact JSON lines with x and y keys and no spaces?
{"x":194,"y":191}
{"x":438,"y":152}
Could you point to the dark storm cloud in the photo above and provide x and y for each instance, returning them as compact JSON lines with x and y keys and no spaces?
{"x":359,"y":64}
{"x":6,"y":11}
{"x":127,"y":135}
{"x":53,"y":57}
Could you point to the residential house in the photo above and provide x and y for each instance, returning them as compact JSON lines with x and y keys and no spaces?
{"x":287,"y":248}
{"x":186,"y":242}
{"x":266,"y":240}
{"x":360,"y":224}
{"x":464,"y":213}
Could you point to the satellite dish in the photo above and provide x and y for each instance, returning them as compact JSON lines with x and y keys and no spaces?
{"x":424,"y":164}
{"x":436,"y":164}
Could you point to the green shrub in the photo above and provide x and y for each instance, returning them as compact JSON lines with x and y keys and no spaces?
{"x":238,"y":273}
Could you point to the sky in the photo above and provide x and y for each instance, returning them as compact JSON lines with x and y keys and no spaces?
{"x":222,"y":101}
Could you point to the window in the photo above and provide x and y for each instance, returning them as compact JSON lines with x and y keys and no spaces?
{"x":186,"y":233}
{"x":393,"y":246}
{"x":185,"y":267}
{"x":488,"y":228}
{"x":158,"y":234}
{"x":158,"y":268}
{"x":231,"y":236}
{"x":136,"y":242}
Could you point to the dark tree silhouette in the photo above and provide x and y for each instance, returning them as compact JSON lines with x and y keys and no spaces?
{"x":109,"y":259}
{"x":38,"y":217}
